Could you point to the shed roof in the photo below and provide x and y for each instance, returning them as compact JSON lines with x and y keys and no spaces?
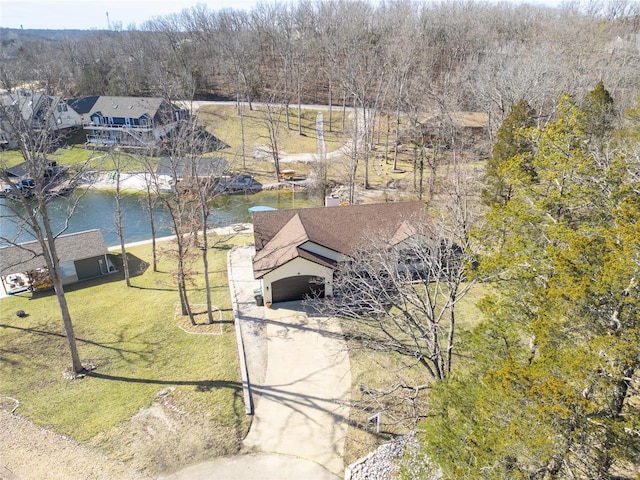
{"x":74,"y":246}
{"x":20,"y":170}
{"x":279,"y":234}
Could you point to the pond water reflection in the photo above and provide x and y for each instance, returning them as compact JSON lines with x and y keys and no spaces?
{"x":96,"y":209}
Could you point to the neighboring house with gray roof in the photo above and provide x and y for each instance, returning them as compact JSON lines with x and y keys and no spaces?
{"x":82,"y":256}
{"x":38,"y":112}
{"x":298,"y":250}
{"x":83,"y":105}
{"x":129,"y":121}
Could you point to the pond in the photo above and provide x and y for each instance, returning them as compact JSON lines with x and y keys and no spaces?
{"x":96,"y":209}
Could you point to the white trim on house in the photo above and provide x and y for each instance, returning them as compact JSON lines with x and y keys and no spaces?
{"x":297,"y":267}
{"x":323,"y":251}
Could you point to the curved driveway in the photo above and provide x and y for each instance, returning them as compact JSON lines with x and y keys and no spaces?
{"x":300,"y":420}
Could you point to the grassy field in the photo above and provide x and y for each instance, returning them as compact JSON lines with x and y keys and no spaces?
{"x":225,"y":123}
{"x":144,"y":360}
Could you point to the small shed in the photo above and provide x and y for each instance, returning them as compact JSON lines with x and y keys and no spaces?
{"x":82,"y":256}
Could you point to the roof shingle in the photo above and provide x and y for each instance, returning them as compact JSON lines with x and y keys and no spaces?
{"x":74,"y":246}
{"x":278,"y":234}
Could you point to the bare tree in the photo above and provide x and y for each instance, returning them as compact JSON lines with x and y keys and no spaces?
{"x":194,"y":179}
{"x":119,"y":163}
{"x":239,"y":52}
{"x":401,"y":297}
{"x":271,"y":119}
{"x":151,"y":200}
{"x":32,"y":126}
{"x":203,"y":178}
{"x":180,"y":205}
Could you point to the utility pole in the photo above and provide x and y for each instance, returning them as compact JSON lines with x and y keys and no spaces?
{"x":108,"y":22}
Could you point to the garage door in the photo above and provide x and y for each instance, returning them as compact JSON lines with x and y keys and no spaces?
{"x":296,"y":288}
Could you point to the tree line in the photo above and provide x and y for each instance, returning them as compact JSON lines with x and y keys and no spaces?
{"x":396,"y":56}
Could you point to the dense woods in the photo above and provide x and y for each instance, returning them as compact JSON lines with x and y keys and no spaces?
{"x":550,"y":389}
{"x":397,"y":57}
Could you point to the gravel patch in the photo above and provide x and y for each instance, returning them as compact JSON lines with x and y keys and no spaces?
{"x":385,"y":462}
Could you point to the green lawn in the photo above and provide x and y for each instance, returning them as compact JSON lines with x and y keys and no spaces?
{"x":224,"y":122}
{"x":133,"y":338}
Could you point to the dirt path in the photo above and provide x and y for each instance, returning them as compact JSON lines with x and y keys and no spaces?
{"x":31,"y":452}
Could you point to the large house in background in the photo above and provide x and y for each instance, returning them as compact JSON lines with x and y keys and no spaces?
{"x":38,"y":111}
{"x":132,"y":122}
{"x":298,"y":250}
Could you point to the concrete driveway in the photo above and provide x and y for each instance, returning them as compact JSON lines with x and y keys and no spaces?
{"x":300,"y":379}
{"x":301,"y":409}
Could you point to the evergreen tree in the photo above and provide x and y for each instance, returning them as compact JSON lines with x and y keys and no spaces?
{"x":510,"y":163}
{"x":547,"y":394}
{"x":599,"y":113}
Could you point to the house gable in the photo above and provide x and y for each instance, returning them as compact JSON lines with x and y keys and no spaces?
{"x":283,"y":247}
{"x":323,"y":237}
{"x":43,"y":111}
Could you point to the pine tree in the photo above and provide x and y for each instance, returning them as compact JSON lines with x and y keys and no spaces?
{"x":599,"y":113}
{"x":510,"y":163}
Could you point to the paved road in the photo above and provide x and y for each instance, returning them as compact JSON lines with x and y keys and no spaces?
{"x":300,"y":377}
{"x":258,"y":466}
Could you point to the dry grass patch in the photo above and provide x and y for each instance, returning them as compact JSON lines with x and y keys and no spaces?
{"x":371,"y":374}
{"x":201,"y":320}
{"x":375,"y":372}
{"x":225,"y":123}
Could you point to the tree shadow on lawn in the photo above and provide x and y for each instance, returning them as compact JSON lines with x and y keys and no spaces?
{"x":201,"y":385}
{"x":296,"y":401}
{"x":112,"y":345}
{"x":137,"y":266}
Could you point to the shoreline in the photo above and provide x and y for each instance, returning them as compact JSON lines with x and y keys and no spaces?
{"x":138,"y":181}
{"x":130,"y":181}
{"x":236,"y":229}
